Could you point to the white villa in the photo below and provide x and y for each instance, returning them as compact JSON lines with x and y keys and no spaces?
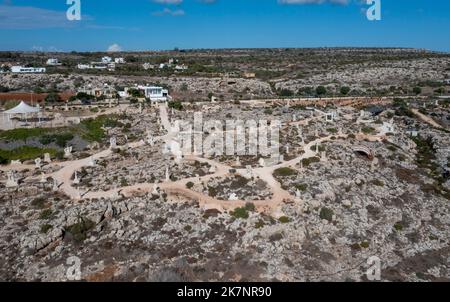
{"x":119,"y":60}
{"x":53,"y":62}
{"x":106,"y":60}
{"x":155,"y":94}
{"x":21,"y":69}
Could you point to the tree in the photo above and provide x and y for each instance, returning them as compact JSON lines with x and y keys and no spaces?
{"x":286,"y":92}
{"x":52,"y":97}
{"x":345,"y":90}
{"x":176,"y":105}
{"x":417,"y":90}
{"x":321,"y":90}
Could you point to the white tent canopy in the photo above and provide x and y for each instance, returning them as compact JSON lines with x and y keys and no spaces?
{"x":22,"y":108}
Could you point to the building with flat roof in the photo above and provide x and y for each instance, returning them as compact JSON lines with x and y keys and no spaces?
{"x":21,"y":69}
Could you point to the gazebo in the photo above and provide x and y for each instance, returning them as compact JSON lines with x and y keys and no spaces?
{"x":23,"y":109}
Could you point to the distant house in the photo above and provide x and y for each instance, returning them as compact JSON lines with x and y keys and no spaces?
{"x":106,"y":60}
{"x":155,"y":94}
{"x":84,"y":66}
{"x":21,"y":69}
{"x":249,"y":75}
{"x":105,"y":91}
{"x":98,"y":65}
{"x":119,"y":60}
{"x":181,"y":67}
{"x":53,"y":62}
{"x":148,"y":66}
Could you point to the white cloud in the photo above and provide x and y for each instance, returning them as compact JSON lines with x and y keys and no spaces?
{"x":28,"y":17}
{"x":115,"y":48}
{"x":168,"y":11}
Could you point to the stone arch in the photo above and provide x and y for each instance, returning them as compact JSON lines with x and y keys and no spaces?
{"x":364,"y":151}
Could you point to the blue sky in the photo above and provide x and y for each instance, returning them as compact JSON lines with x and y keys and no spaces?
{"x":162,"y":24}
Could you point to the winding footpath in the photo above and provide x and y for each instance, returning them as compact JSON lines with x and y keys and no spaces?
{"x":178,"y":191}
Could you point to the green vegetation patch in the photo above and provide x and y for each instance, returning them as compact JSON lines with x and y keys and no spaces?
{"x":80,"y":230}
{"x":284,"y":172}
{"x":326,"y":214}
{"x":308,"y":161}
{"x":25,"y":153}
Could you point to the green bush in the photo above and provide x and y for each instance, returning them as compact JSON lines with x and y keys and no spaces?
{"x":301,"y":187}
{"x":259,"y":224}
{"x":45,"y":228}
{"x":398,"y":226}
{"x":378,"y":183}
{"x":308,"y":161}
{"x":368,"y":130}
{"x":284,"y":219}
{"x":241,"y":213}
{"x":177,"y":105}
{"x":46,"y":214}
{"x":26,"y":153}
{"x":326,"y":214}
{"x":284,"y":172}
{"x":190,"y":185}
{"x":80,"y":230}
{"x":364,"y":244}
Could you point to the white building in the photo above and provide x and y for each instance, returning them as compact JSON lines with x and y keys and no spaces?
{"x":84,"y":66}
{"x":148,"y":66}
{"x":53,"y":62}
{"x":181,"y":67}
{"x":119,"y":60}
{"x":21,"y":69}
{"x":106,"y":60}
{"x":155,"y":94}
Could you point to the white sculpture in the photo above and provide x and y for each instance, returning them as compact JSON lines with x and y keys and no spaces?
{"x":43,"y":178}
{"x":11,"y":182}
{"x":155,"y":189}
{"x":233,"y":197}
{"x":238,"y":161}
{"x":68,"y":151}
{"x":262,"y":162}
{"x":76,"y":180}
{"x":37,"y":162}
{"x":112,"y":142}
{"x":55,"y":185}
{"x":47,"y":158}
{"x":323,"y":156}
{"x":91,"y":161}
{"x":167,"y":174}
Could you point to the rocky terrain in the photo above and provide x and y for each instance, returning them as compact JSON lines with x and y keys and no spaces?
{"x":345,"y":190}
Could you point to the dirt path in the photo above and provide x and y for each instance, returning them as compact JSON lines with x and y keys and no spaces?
{"x":177,"y":190}
{"x":426,"y":119}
